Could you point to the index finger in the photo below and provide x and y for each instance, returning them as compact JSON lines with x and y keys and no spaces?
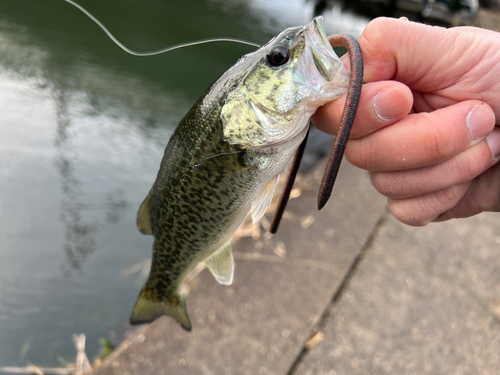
{"x":381,"y":104}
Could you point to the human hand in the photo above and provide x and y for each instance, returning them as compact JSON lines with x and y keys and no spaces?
{"x":425,"y":127}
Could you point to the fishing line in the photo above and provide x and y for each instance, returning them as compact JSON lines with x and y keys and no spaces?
{"x":152,"y":53}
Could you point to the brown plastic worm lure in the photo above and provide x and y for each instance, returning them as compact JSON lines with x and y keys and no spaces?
{"x":348,"y":115}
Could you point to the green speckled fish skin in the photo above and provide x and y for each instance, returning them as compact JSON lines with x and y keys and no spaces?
{"x":232,"y":143}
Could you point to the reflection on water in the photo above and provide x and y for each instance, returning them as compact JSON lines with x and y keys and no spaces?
{"x":80,"y":233}
{"x":79,"y":236}
{"x":82,"y":132}
{"x":115,"y":205}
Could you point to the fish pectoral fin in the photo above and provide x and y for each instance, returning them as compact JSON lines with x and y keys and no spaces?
{"x":143,"y":218}
{"x":221,"y":264}
{"x":263,"y":200}
{"x":148,"y":309}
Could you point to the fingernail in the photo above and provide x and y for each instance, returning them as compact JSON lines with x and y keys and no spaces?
{"x":480,"y":121}
{"x":390,"y":103}
{"x":493,"y":141}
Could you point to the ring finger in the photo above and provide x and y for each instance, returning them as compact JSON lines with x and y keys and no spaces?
{"x":459,"y":169}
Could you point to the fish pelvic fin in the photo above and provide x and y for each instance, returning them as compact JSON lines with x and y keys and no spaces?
{"x":148,"y":308}
{"x":143,"y":218}
{"x":221,"y":264}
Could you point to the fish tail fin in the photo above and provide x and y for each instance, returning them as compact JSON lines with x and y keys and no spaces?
{"x":148,"y":308}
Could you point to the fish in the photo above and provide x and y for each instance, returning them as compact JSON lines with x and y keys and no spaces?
{"x":224,"y":160}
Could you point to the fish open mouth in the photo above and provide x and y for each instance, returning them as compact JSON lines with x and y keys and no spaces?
{"x":318,"y":57}
{"x":275,"y":99}
{"x":324,"y":58}
{"x":322,"y":75}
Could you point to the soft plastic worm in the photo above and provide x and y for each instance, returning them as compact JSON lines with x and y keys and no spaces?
{"x":348,"y":115}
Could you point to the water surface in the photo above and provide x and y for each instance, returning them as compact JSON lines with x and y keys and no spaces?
{"x":83,"y":127}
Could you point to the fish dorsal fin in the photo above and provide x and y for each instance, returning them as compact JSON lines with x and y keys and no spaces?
{"x":221,"y":264}
{"x":143,"y":218}
{"x":263,"y":200}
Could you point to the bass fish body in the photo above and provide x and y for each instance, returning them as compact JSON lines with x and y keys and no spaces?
{"x":225,"y":157}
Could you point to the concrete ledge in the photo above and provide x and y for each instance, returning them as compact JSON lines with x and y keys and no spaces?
{"x":259,"y":324}
{"x":423,"y":301}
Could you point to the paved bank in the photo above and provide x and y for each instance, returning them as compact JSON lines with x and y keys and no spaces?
{"x":261,"y":322}
{"x":422,"y":301}
{"x":354,"y":293}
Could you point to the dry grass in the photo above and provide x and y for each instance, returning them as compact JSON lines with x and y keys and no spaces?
{"x":80,"y":367}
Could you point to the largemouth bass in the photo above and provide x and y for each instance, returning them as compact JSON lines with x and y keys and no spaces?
{"x":225,"y":157}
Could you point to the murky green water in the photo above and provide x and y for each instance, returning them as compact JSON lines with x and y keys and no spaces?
{"x":83,"y":127}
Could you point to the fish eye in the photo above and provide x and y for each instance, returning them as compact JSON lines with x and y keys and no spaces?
{"x":279,"y":55}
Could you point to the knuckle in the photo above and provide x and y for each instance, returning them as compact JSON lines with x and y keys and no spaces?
{"x":448,"y":195}
{"x":437,"y":148}
{"x":471,"y":166}
{"x":407,"y":211}
{"x":373,"y":31}
{"x":386,"y":184}
{"x":355,"y":152}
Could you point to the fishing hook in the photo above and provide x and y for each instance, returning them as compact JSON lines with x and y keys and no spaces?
{"x":348,"y":115}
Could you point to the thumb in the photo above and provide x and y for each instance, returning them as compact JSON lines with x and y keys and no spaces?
{"x":425,"y":58}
